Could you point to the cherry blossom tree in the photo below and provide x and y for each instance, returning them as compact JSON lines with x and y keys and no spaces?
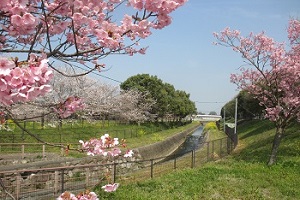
{"x":105,"y":146}
{"x":37,"y":37}
{"x":101,"y":101}
{"x":43,"y":34}
{"x":133,"y":106}
{"x":274,"y":78}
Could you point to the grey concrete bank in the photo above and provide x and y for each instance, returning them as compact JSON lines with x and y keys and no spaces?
{"x":165,"y":147}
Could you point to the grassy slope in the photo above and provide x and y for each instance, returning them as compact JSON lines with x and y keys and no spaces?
{"x":244,"y":175}
{"x":72,"y":133}
{"x":157,"y":136}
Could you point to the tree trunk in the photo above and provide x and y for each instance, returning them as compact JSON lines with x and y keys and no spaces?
{"x":276,"y":143}
{"x":59,"y":123}
{"x":43,"y":121}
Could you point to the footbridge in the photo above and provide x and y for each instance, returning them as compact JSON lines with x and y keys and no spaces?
{"x":206,"y":118}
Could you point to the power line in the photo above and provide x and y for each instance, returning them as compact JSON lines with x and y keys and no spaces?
{"x":93,"y":72}
{"x":210,"y":102}
{"x":107,"y":77}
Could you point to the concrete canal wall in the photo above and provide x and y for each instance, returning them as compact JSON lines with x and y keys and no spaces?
{"x":165,"y":147}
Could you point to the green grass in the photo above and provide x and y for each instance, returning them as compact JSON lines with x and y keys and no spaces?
{"x":211,"y":129}
{"x":71,"y":133}
{"x":243,"y":175}
{"x":78,"y":130}
{"x":157,"y":136}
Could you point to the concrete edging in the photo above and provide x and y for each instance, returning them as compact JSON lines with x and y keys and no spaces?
{"x":165,"y":147}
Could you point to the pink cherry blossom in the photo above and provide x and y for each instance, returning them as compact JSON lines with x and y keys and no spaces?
{"x":274,"y":78}
{"x":68,"y":107}
{"x":129,"y":153}
{"x":76,"y":33}
{"x":23,"y":81}
{"x":294,"y":31}
{"x":6,"y":66}
{"x":33,"y":23}
{"x":110,"y":187}
{"x":29,"y":19}
{"x":105,"y":146}
{"x":138,"y":4}
{"x":87,"y":195}
{"x":16,"y":20}
{"x":114,"y":152}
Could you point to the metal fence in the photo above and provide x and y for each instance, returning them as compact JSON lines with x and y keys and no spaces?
{"x":48,"y":183}
{"x":38,"y":149}
{"x":58,"y":136}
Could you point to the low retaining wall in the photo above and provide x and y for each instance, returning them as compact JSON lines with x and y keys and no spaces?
{"x":35,"y":182}
{"x":166,"y":147}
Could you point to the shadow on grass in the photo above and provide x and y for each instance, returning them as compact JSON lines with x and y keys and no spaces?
{"x":257,"y":151}
{"x":258,"y":148}
{"x":257,"y":127}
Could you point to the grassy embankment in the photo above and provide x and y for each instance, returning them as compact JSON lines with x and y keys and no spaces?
{"x":71,"y":133}
{"x":243,"y":175}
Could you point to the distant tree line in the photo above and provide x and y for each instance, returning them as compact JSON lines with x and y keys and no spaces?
{"x":248,"y":107}
{"x":170,"y":104}
{"x":141,"y":98}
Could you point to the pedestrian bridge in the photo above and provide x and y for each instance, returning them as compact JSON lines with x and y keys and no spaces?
{"x":206,"y":118}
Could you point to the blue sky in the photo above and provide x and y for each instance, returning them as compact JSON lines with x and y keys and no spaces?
{"x":183,"y":54}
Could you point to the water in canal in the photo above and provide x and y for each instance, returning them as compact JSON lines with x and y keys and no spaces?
{"x":192,"y":142}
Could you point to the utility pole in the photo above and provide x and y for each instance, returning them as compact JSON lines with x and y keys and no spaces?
{"x":224,"y":119}
{"x":235,"y":116}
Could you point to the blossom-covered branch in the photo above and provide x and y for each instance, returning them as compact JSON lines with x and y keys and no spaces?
{"x":274,"y":78}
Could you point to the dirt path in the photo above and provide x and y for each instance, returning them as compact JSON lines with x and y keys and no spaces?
{"x":15,"y":161}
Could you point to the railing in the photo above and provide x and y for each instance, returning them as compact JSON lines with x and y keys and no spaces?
{"x":230,"y":132}
{"x":39,"y":149}
{"x":48,"y":183}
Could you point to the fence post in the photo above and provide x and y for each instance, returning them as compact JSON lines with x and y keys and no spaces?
{"x":44,"y":155}
{"x":23,"y":151}
{"x":213,"y":149}
{"x":24,"y":126}
{"x":18,"y":185}
{"x":193,"y":159}
{"x":13,"y":140}
{"x":87,"y":174}
{"x":114,"y":172}
{"x":207,"y":158}
{"x":62,"y":151}
{"x":228,"y":145}
{"x":221,"y":147}
{"x":151,"y":169}
{"x":56,"y":178}
{"x":62,"y":178}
